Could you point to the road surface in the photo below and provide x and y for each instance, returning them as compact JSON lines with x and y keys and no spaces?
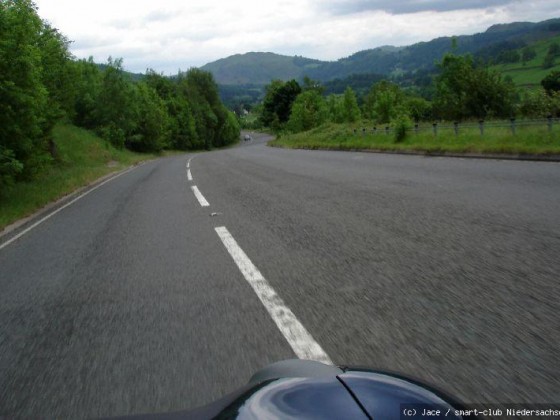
{"x":139,"y":297}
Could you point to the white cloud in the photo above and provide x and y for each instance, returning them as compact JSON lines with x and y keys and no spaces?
{"x":172,"y":34}
{"x":344,"y":7}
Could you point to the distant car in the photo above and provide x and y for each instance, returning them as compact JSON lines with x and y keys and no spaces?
{"x":247,"y":137}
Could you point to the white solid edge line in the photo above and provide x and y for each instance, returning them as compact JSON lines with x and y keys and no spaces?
{"x":301,"y":341}
{"x":48,"y":216}
{"x":189,"y":175}
{"x":199,"y":196}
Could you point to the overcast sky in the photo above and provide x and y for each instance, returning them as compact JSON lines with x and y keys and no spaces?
{"x":168,"y":35}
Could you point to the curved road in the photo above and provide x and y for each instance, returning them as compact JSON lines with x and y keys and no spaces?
{"x":146,"y":295}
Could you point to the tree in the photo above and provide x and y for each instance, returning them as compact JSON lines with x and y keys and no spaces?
{"x":309,"y":110}
{"x":57,"y":73}
{"x":115,"y":113}
{"x":552,"y":53}
{"x":383,"y":102}
{"x":528,"y":54}
{"x":151,"y":128}
{"x":464,"y":90}
{"x":508,"y":56}
{"x":310,"y":84}
{"x":40,"y":83}
{"x":230,"y":129}
{"x":182,"y":125}
{"x":210,"y":114}
{"x":164,"y":86}
{"x":350,"y":109}
{"x":418,"y":108}
{"x":548,"y":61}
{"x":87,"y":87}
{"x":278,"y":100}
{"x":335,"y":110}
{"x":551,"y":83}
{"x":213,"y":122}
{"x":24,"y":117}
{"x":537,"y":103}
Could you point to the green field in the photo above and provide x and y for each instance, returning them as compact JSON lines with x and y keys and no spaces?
{"x":527,"y":140}
{"x":83,"y":158}
{"x":531,"y":73}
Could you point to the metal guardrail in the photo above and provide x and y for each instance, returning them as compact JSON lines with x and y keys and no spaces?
{"x":512,"y":124}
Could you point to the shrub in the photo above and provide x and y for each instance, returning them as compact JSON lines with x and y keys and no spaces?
{"x":402,"y":124}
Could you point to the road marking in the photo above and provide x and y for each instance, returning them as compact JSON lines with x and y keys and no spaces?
{"x":189,"y":175}
{"x":199,"y":196}
{"x":189,"y":163}
{"x":303,"y":344}
{"x":47,"y":217}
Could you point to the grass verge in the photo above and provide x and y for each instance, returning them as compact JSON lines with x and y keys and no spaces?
{"x":83,"y":158}
{"x":526,"y":141}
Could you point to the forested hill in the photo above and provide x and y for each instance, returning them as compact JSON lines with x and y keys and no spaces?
{"x":261,"y":68}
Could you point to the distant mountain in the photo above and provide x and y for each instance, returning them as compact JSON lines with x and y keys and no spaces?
{"x":260,"y":68}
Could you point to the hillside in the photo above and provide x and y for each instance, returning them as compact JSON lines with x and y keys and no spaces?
{"x":532,"y":72}
{"x":260,"y":68}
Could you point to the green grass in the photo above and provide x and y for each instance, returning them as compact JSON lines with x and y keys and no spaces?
{"x":83,"y":158}
{"x":528,"y":140}
{"x":531,"y":73}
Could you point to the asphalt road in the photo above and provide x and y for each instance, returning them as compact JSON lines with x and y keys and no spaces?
{"x":127,"y":301}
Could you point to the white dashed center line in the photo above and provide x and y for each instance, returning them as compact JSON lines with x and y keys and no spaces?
{"x":200,"y":197}
{"x":302,"y":343}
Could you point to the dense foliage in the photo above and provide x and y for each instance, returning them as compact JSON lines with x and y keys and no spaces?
{"x":551,"y":83}
{"x":41,"y":83}
{"x":278,"y":100}
{"x":465,"y":90}
{"x":183,"y":113}
{"x":462,"y":89}
{"x":25,"y":114}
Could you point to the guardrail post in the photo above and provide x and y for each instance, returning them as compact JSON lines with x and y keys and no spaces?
{"x":434,"y":125}
{"x":374,"y":130}
{"x":512,"y":120}
{"x":456,"y":127}
{"x":416,"y":128}
{"x":481,"y":126}
{"x":549,"y":118}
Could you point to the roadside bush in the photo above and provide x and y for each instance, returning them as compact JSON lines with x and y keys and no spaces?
{"x":113,"y":134}
{"x":402,"y":124}
{"x":10,"y":167}
{"x":537,"y":104}
{"x":308,"y":111}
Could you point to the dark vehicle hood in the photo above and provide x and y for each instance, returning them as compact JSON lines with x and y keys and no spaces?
{"x":341,"y":393}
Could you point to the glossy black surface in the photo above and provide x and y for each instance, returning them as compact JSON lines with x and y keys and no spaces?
{"x":310,"y":390}
{"x":389,"y":397}
{"x":302,"y":398}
